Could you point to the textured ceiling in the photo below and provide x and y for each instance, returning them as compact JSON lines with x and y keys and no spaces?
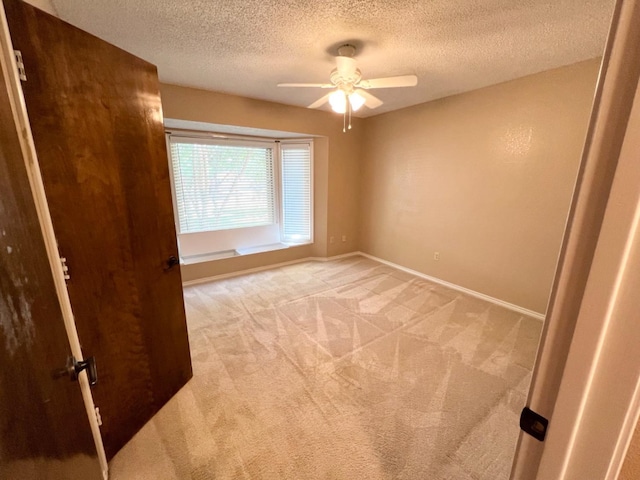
{"x":246,"y":47}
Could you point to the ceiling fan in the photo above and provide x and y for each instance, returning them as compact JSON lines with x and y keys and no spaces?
{"x":349,"y":88}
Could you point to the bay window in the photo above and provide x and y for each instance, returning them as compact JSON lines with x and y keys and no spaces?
{"x":235,"y":196}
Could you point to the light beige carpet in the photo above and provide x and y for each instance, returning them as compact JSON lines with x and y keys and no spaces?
{"x":347,"y":369}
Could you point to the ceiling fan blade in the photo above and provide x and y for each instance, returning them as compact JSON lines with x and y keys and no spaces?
{"x":346,"y":66}
{"x":370,"y":101}
{"x":320,"y":101}
{"x":315,"y":85}
{"x":390,"y":82}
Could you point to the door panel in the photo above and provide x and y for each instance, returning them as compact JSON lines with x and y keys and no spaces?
{"x":44,"y":430}
{"x":96,"y":118}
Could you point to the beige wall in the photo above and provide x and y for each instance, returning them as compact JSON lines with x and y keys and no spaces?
{"x":485,"y":178}
{"x":336,"y":168}
{"x":45,"y":5}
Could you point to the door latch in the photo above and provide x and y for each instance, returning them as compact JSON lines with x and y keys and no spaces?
{"x":74,"y":367}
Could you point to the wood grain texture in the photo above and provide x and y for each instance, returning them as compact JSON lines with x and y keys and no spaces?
{"x":97,"y":122}
{"x":43,"y":425}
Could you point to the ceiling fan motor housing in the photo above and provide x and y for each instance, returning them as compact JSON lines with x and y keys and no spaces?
{"x":345,"y":83}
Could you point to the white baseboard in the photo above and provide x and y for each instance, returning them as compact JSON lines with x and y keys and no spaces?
{"x":453,"y":286}
{"x":335,"y":257}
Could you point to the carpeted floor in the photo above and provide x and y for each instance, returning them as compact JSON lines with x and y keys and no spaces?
{"x":347,"y":369}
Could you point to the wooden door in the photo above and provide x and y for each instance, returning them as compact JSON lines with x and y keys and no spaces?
{"x":96,"y":118}
{"x":44,"y":429}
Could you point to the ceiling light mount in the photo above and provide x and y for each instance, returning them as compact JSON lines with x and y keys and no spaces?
{"x":346,"y":50}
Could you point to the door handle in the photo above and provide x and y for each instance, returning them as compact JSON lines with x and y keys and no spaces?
{"x":171,"y":262}
{"x":74,"y":367}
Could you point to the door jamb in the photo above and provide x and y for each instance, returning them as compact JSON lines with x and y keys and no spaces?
{"x":598,"y":403}
{"x":21,"y":119}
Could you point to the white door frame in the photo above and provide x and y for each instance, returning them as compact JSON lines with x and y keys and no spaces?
{"x":599,"y":399}
{"x":21,"y":119}
{"x":593,"y":409}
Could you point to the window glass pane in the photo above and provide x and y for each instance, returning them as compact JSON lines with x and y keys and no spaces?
{"x":220,"y":187}
{"x":296,"y":193}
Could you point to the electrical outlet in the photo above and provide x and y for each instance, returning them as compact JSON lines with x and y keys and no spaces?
{"x":436,"y":255}
{"x":344,"y":238}
{"x":332,"y":239}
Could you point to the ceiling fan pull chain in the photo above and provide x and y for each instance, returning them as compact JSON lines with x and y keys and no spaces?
{"x":344,"y":122}
{"x":349,"y":107}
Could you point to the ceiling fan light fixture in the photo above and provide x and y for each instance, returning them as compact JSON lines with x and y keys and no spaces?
{"x":351,"y":90}
{"x":356,"y":100}
{"x":338,"y":101}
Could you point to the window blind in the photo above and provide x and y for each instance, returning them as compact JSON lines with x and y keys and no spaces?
{"x":296,"y":193}
{"x":221,"y":186}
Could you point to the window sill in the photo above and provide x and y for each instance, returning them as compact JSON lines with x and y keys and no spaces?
{"x":209,"y":257}
{"x":262,"y":249}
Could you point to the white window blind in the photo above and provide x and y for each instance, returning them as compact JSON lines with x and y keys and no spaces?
{"x":296,"y":193}
{"x":221,"y":186}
